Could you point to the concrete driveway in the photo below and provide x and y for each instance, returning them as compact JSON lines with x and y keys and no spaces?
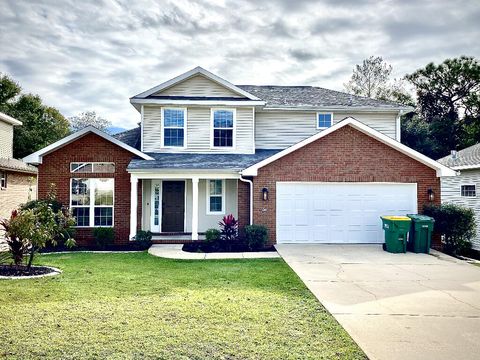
{"x":395,"y":306}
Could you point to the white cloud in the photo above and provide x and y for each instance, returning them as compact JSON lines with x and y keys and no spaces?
{"x":92,"y":55}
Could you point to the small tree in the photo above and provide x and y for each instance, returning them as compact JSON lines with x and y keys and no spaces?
{"x":17,"y":246}
{"x":88,"y":118}
{"x":456,"y":225}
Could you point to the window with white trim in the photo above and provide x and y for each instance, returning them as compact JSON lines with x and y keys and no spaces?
{"x":324,"y":120}
{"x":174,"y":127}
{"x":215,"y":196}
{"x":223,"y":128}
{"x":3,"y":179}
{"x":91,"y":201}
{"x":468,"y":190}
{"x":92,"y":167}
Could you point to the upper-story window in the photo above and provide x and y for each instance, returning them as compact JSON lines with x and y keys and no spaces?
{"x":173,"y":124}
{"x":468,"y":190}
{"x":223,"y":128}
{"x":324,"y":120}
{"x":92,"y":167}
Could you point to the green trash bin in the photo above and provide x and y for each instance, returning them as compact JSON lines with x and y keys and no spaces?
{"x":396,"y":233}
{"x":420,"y":233}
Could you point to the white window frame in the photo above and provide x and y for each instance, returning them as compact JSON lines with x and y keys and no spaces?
{"x":234,"y":128}
{"x":92,"y":206}
{"x":465,"y":196}
{"x":208,"y":197}
{"x":3,"y":180}
{"x":162,"y":126}
{"x":93,"y":165}
{"x":323,"y":113}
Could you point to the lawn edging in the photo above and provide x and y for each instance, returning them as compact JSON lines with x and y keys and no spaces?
{"x":175,"y":251}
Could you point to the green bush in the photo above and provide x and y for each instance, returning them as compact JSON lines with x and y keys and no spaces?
{"x":143,"y":239}
{"x":103,"y":236}
{"x":256,"y":236}
{"x":455,"y":224}
{"x":212,"y":236}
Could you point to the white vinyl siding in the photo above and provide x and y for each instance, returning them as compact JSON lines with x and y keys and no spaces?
{"x":198,"y":130}
{"x":451,"y":193}
{"x":198,"y":86}
{"x":279,"y":130}
{"x":6,"y":140}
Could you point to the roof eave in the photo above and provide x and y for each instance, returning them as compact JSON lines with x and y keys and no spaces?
{"x":10,"y":120}
{"x":37,"y":157}
{"x":405,"y":109}
{"x":136,"y":101}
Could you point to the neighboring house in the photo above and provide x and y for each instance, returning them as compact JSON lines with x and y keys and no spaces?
{"x":17,"y":179}
{"x":464,"y":189}
{"x":311,"y":164}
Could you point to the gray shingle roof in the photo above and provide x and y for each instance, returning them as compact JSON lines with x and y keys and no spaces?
{"x":466,"y":157}
{"x":17,"y":165}
{"x":311,"y":96}
{"x":130,"y":137}
{"x":189,"y":161}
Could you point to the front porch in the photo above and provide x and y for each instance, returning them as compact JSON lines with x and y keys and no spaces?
{"x":180,"y":207}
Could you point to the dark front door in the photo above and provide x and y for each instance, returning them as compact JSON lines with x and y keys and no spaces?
{"x":173,"y":206}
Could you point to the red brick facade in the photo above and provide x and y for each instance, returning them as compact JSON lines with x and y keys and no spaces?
{"x":90,"y":148}
{"x":346,"y":155}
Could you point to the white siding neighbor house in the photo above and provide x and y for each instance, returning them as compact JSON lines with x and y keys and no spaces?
{"x":464,"y":189}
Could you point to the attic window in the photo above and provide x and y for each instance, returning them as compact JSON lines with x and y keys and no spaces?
{"x":324,"y":120}
{"x":92,"y":167}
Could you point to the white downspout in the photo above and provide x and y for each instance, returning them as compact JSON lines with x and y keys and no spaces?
{"x":398,"y":126}
{"x":251,"y":197}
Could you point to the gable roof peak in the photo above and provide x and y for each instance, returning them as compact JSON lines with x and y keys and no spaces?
{"x":191,"y":73}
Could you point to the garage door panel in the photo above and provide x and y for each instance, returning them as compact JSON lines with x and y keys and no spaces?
{"x":339,"y":213}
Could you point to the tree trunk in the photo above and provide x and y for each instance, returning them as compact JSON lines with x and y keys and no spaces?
{"x":30,"y":259}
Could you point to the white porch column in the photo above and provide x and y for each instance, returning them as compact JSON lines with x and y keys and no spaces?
{"x":194,"y":208}
{"x":133,"y":206}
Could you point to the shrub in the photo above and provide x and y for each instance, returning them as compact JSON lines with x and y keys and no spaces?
{"x":143,"y":239}
{"x":212,"y":236}
{"x":256,"y":236}
{"x":17,"y":246}
{"x":37,"y":226}
{"x":455,"y":224}
{"x":103,"y":236}
{"x":228,"y":228}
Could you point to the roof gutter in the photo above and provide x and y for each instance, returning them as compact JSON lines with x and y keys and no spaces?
{"x":405,"y":109}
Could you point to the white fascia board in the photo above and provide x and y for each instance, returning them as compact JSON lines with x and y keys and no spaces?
{"x":405,"y":109}
{"x":36,"y":157}
{"x":182,"y":174}
{"x":10,"y":120}
{"x":248,"y":103}
{"x":196,"y":71}
{"x":441,"y":170}
{"x":466,"y":167}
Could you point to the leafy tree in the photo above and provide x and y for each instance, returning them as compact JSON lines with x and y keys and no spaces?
{"x":42,"y":124}
{"x":448,"y":97}
{"x":88,"y":118}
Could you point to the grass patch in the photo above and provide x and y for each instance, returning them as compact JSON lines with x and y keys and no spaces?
{"x":138,"y":306}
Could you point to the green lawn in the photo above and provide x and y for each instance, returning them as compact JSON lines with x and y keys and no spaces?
{"x":138,"y":306}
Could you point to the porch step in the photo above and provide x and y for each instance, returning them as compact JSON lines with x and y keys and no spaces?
{"x":174,"y":238}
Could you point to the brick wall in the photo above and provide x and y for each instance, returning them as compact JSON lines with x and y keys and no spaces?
{"x":243,"y":206}
{"x":17,"y":192}
{"x":346,"y":155}
{"x":90,"y":148}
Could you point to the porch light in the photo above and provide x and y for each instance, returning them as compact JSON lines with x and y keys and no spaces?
{"x":265,"y":194}
{"x":431,"y":194}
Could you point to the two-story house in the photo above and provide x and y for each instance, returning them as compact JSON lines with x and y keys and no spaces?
{"x":17,"y":179}
{"x":313,"y":165}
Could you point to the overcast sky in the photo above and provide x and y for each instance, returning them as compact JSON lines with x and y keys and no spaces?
{"x":94,"y":55}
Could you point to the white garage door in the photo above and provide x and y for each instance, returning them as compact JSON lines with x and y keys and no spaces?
{"x":339,"y":212}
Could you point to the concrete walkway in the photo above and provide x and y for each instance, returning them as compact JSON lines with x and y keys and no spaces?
{"x":176,"y":252}
{"x":395,"y":306}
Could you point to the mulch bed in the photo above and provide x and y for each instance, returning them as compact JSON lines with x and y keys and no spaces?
{"x":21,"y":270}
{"x":196,"y":247}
